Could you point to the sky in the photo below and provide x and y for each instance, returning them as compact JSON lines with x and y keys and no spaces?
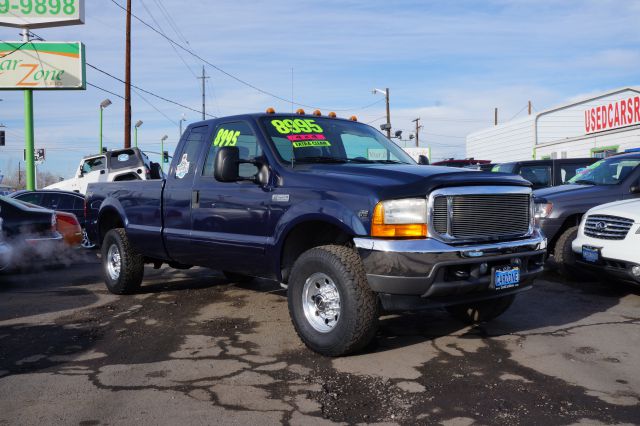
{"x":448,"y":62}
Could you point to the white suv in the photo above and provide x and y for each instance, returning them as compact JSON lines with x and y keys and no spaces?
{"x":111,"y":166}
{"x":609,"y":240}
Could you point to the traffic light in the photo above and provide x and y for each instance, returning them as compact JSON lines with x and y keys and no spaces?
{"x":165,"y":156}
{"x":2,"y":138}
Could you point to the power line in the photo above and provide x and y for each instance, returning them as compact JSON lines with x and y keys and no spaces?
{"x":154,"y":107}
{"x":228,"y":74}
{"x":14,"y":50}
{"x":147,"y":91}
{"x":105,"y":90}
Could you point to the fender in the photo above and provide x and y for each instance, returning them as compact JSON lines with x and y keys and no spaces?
{"x":328,"y":211}
{"x":111,"y":205}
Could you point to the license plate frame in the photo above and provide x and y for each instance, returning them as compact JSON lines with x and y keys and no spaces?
{"x":505,"y":277}
{"x":591,"y":254}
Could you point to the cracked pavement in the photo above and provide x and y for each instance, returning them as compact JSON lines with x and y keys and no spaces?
{"x":192,"y":348}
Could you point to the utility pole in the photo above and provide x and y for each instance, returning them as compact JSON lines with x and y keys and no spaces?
{"x":495,"y":120}
{"x":418,"y":126}
{"x":388,"y":114}
{"x":127,"y":84}
{"x":530,"y":107}
{"x":204,"y":88}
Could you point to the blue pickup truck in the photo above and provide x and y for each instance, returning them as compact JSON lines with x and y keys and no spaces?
{"x":334,"y":211}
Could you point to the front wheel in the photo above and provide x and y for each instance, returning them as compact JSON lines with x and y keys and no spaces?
{"x":331,"y":305}
{"x":482,"y":311}
{"x":563,"y":254}
{"x":123,"y":268}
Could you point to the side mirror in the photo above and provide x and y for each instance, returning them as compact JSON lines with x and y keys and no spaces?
{"x":227,"y":164}
{"x":423,"y":160}
{"x":635,"y":189}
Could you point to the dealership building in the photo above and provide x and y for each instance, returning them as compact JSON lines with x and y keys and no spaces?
{"x":598,"y":126}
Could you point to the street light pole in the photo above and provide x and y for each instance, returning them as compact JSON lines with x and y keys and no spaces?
{"x":135,"y":129}
{"x":181,"y":120}
{"x":103,"y":105}
{"x":386,"y":95}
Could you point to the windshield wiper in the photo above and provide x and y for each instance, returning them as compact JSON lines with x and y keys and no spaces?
{"x":584,"y":182}
{"x":389,"y":162}
{"x":321,"y":159}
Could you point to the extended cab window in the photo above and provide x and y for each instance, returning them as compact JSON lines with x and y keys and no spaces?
{"x":94,"y":164}
{"x":189,"y":155}
{"x":237,"y":134}
{"x":539,"y":176}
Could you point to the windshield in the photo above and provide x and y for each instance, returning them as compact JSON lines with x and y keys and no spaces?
{"x":610,"y":171}
{"x":300,"y":139}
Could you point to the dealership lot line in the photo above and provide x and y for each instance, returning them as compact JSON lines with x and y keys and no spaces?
{"x":195,"y":348}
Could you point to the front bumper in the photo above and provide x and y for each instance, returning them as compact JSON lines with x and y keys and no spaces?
{"x":432,"y":269}
{"x":617,"y":257}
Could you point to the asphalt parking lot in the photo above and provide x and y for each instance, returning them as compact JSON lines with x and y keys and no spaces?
{"x":192,"y":348}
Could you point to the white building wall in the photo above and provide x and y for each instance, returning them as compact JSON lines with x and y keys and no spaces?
{"x":581,"y":147}
{"x":512,"y":141}
{"x":560,"y":133}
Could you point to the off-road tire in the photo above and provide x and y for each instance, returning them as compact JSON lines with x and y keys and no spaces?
{"x":563,"y":255}
{"x":131,"y":264}
{"x":359,"y":308}
{"x":481,"y":311}
{"x":236,"y":278}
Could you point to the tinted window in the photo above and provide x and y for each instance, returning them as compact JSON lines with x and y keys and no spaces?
{"x":33,"y":198}
{"x":237,"y":134}
{"x":503,"y":168}
{"x":611,"y":171}
{"x":568,"y":171}
{"x":189,"y":155}
{"x":124,"y":160}
{"x":539,"y":176}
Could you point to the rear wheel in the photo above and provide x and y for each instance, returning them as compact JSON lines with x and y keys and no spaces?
{"x":482,"y":311}
{"x":123,"y":268}
{"x":331,"y":305}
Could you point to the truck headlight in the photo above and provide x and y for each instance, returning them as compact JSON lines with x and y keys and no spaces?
{"x":542,"y":210}
{"x":400,"y":219}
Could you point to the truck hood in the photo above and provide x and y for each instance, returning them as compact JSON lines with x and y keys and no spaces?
{"x":395,"y":181}
{"x":628,"y":208}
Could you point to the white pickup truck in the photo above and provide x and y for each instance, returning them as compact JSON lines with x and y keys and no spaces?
{"x":111,"y":166}
{"x":608,"y":240}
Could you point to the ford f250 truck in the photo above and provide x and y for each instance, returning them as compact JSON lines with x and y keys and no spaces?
{"x":334,"y":211}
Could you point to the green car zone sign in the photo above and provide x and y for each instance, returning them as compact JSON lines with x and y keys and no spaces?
{"x":42,"y":65}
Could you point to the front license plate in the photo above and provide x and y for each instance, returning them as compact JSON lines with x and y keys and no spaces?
{"x":590,"y":255}
{"x":506,"y":278}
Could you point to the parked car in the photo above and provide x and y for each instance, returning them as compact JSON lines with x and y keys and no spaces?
{"x":609,"y":240}
{"x":560,"y":209}
{"x":111,"y":166}
{"x":452,"y":162}
{"x":487,"y":167}
{"x":60,"y":201}
{"x":30,"y":231}
{"x":5,"y":190}
{"x":546,"y":173}
{"x":334,"y":211}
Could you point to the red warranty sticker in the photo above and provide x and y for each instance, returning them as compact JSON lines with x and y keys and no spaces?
{"x":311,"y":137}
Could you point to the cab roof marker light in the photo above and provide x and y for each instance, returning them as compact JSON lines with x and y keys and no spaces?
{"x":317,"y":113}
{"x":332,"y":115}
{"x":271,"y":110}
{"x":353,"y":118}
{"x":300,"y":111}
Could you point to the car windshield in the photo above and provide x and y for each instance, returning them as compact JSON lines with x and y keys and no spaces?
{"x":299,"y":139}
{"x":610,"y":171}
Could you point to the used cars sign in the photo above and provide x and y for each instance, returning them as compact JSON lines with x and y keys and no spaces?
{"x":40,"y":13}
{"x":42,"y":65}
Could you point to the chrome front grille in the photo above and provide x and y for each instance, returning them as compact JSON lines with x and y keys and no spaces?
{"x":607,"y":227}
{"x":481,"y":216}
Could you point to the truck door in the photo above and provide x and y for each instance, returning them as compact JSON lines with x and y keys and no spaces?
{"x":177,"y":195}
{"x":230,"y":221}
{"x":92,"y":170}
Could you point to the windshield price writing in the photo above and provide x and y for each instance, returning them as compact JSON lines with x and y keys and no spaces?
{"x":38,"y":7}
{"x":285,"y":127}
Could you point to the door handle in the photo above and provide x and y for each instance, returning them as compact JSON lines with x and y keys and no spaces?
{"x":195,"y":199}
